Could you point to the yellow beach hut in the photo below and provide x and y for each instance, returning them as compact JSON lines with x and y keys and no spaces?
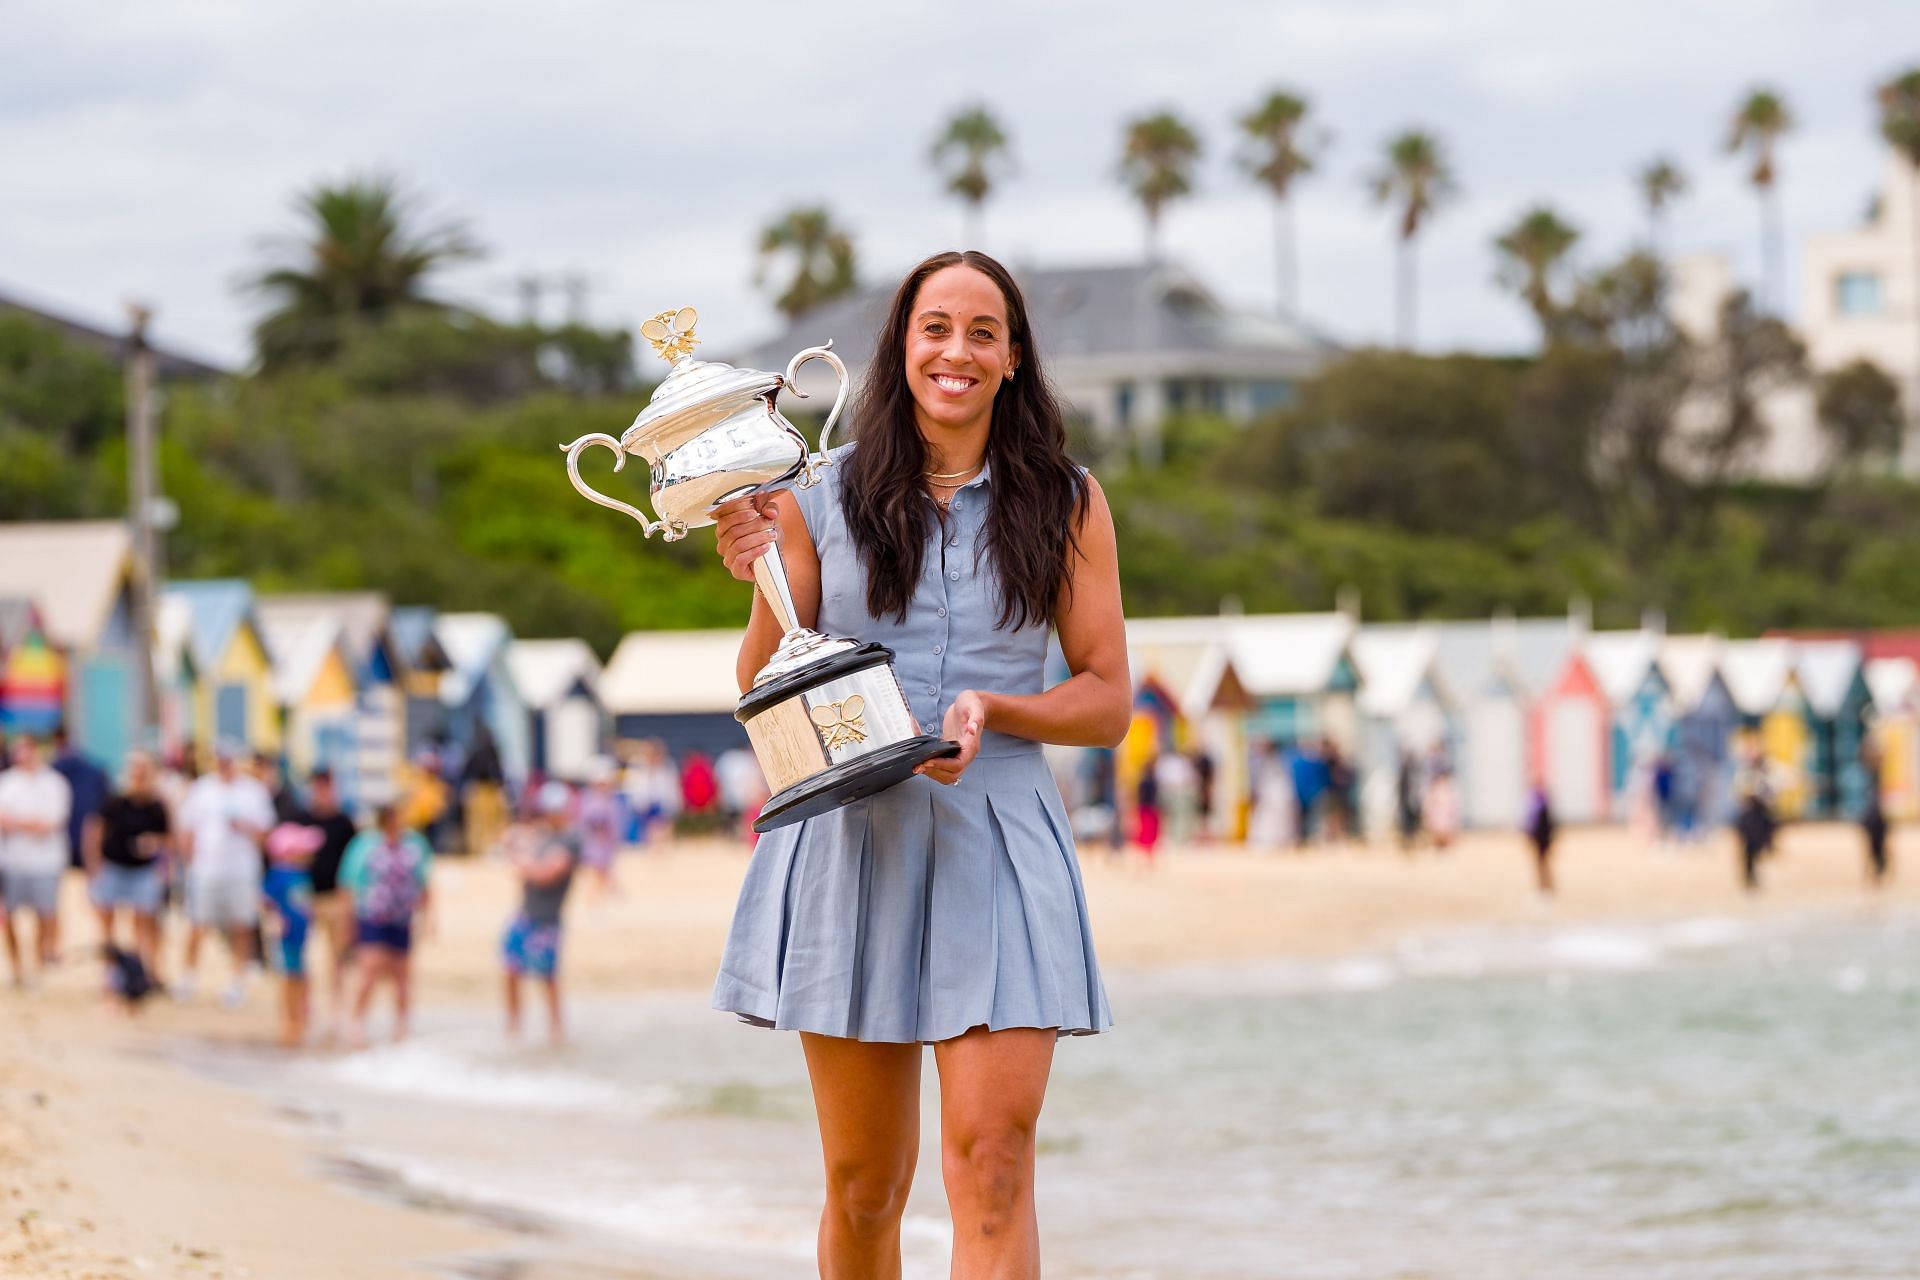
{"x":313,"y":688}
{"x":1895,"y":684}
{"x":235,"y":701}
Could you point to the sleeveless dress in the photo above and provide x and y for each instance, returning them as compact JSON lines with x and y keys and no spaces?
{"x":926,"y":910}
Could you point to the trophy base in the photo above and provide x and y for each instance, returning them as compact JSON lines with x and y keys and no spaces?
{"x":854,"y":780}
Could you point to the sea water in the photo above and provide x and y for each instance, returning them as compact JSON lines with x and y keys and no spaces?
{"x":1703,"y":1099}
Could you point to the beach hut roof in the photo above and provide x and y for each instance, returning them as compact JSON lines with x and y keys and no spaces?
{"x":1620,"y":661}
{"x":360,"y":616}
{"x":299,"y":641}
{"x":545,"y":671}
{"x":216,"y":608}
{"x":471,"y":642}
{"x":1826,"y":670}
{"x":673,"y":673}
{"x":72,"y":570}
{"x":414,"y":643}
{"x":1394,"y":664}
{"x":1756,"y":672}
{"x":1893,"y":683}
{"x":1187,"y":656}
{"x":1287,"y":655}
{"x":172,"y":630}
{"x":1688,"y":664}
{"x":1537,"y":650}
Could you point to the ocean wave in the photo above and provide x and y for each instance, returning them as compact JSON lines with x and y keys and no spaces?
{"x":421,"y":1069}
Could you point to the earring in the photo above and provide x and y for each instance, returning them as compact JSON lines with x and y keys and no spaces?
{"x":1010,"y":374}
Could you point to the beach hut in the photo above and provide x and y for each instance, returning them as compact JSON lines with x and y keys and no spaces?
{"x":420,"y":665}
{"x":1894,"y":684}
{"x":1833,"y":684}
{"x":1759,"y":677}
{"x":1187,"y":693}
{"x":1404,"y":707}
{"x":78,"y":573}
{"x":478,"y":688}
{"x":1490,"y":723}
{"x":235,"y":701}
{"x":33,"y":677}
{"x":313,"y":685}
{"x":176,"y":681}
{"x":1624,"y":665}
{"x":1569,"y":716}
{"x":1705,"y":720}
{"x":559,"y":682}
{"x":679,"y":687}
{"x":368,"y":775}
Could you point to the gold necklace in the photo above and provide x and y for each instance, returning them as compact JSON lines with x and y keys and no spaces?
{"x":948,"y":475}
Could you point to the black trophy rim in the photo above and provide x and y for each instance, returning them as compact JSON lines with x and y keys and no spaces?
{"x":844,"y":663}
{"x":852,"y":780}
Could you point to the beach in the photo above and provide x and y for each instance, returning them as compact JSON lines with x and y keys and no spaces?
{"x":181,"y":1143}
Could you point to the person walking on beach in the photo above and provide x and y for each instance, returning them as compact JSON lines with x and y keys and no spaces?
{"x":599,"y":823}
{"x":89,"y":786}
{"x":332,"y":908}
{"x":1146,"y":810}
{"x":1274,"y":822}
{"x":1406,"y":801}
{"x":223,"y":820}
{"x":386,"y":871}
{"x":126,"y":862}
{"x":1540,"y":829}
{"x":544,"y":858}
{"x":1440,"y":810}
{"x":1755,"y":827}
{"x":35,"y":803}
{"x":947,"y":910}
{"x":288,"y":891}
{"x":1873,"y":825}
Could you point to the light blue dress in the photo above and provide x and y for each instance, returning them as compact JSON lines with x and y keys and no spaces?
{"x":926,"y":910}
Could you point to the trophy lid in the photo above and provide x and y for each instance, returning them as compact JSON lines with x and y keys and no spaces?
{"x":696,"y":392}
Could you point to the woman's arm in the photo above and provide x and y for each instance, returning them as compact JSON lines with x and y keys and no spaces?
{"x":743,"y":530}
{"x":1094,"y":706}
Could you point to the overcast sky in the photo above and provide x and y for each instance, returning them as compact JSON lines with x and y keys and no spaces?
{"x":147,"y":150}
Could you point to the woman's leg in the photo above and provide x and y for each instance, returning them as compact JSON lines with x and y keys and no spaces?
{"x":868,"y":1100}
{"x":991,"y":1086}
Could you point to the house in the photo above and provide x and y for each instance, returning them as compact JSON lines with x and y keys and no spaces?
{"x":1186,"y":697}
{"x":559,"y":682}
{"x":368,"y":774}
{"x":678,"y":687}
{"x":1832,"y":681}
{"x":1405,"y":708}
{"x":1569,"y":716}
{"x":478,"y":689}
{"x":235,"y":701}
{"x":1705,"y":720}
{"x":314,"y":690}
{"x":1126,"y":347}
{"x":169,"y":365}
{"x":1625,"y":666}
{"x":420,"y":664}
{"x":33,"y":676}
{"x":78,"y":574}
{"x":1895,"y":686}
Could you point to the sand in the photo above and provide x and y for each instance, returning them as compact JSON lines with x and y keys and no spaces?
{"x":116,"y":1163}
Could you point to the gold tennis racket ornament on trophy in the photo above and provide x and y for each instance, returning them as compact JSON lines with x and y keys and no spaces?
{"x":826,"y":716}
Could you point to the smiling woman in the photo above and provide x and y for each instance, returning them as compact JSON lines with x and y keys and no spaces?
{"x":947,"y":910}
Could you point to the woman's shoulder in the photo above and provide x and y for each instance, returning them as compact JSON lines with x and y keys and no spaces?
{"x":817,"y":500}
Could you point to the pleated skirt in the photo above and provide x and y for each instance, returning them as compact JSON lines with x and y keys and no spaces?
{"x":918,"y":914}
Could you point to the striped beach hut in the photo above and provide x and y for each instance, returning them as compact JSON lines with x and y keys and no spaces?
{"x":235,"y":701}
{"x":33,"y":676}
{"x":678,"y":687}
{"x":559,"y":681}
{"x":1569,"y":716}
{"x":1624,"y":664}
{"x":479,"y":689}
{"x":314,"y":690}
{"x":1832,"y":681}
{"x":1894,"y":684}
{"x":78,"y":574}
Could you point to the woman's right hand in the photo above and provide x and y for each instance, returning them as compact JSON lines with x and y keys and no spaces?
{"x":744,"y":529}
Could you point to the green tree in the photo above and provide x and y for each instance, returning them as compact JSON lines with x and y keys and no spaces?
{"x":819,"y":255}
{"x":1416,"y":177}
{"x":1532,"y":251}
{"x":1661,"y":183}
{"x":50,"y":385}
{"x":358,"y":261}
{"x":1757,"y":127}
{"x":1860,"y":412}
{"x":1899,"y":101}
{"x":1752,"y":354}
{"x":968,"y":154}
{"x":1280,"y":148}
{"x":1157,"y":157}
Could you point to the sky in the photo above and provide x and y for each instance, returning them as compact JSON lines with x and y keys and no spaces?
{"x":153,"y":151}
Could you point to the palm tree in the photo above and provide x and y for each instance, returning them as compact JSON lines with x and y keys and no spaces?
{"x":1900,"y":125}
{"x":1156,"y":162}
{"x":1530,"y":251}
{"x":1416,"y":176}
{"x":821,"y":254}
{"x":1661,"y":183}
{"x":357,"y":262}
{"x":967,"y":154}
{"x":1276,"y":153}
{"x":1757,"y":126}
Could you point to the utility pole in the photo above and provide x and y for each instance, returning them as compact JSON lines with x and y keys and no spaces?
{"x":140,"y":512}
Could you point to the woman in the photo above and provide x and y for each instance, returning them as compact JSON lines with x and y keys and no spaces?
{"x":947,"y":910}
{"x":386,"y":871}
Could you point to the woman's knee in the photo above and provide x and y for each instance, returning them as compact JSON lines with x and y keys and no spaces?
{"x":992,"y":1165}
{"x":870,"y":1195}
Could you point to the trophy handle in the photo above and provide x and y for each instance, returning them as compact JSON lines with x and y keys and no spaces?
{"x":650,"y":527}
{"x":810,"y":474}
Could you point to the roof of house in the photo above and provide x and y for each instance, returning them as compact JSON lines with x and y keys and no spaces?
{"x":216,"y":608}
{"x":1186,"y":656}
{"x":172,"y":630}
{"x":169,"y":364}
{"x":411,"y":626}
{"x":673,"y":673}
{"x":1394,"y":665}
{"x":1826,"y":670}
{"x":1280,"y":655}
{"x":1620,"y":661}
{"x":1894,"y":682}
{"x":72,"y":569}
{"x":1689,"y":665}
{"x":545,"y":671}
{"x":1893,"y":642}
{"x":471,"y":641}
{"x":360,"y":616}
{"x":1756,"y":672}
{"x":299,"y":640}
{"x":1094,"y":311}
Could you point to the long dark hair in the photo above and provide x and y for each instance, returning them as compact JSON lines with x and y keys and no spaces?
{"x":1037,"y":494}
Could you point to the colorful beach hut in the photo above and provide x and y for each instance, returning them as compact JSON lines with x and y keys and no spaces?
{"x":1833,"y":683}
{"x":677,"y":686}
{"x":377,"y":727}
{"x":1186,"y":698}
{"x":235,"y":701}
{"x":1894,"y":684}
{"x":559,"y":681}
{"x":1404,"y":707}
{"x":1759,"y":677}
{"x":1705,"y":721}
{"x":33,"y":677}
{"x":77,"y":573}
{"x":313,"y":684}
{"x":176,"y":681}
{"x":420,"y":665}
{"x":1624,"y":665}
{"x":479,"y":689}
{"x":1569,"y":717}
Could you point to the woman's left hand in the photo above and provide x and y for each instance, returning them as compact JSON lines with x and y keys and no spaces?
{"x":966,"y":718}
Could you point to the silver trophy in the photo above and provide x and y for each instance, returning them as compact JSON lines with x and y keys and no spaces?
{"x":826,"y":715}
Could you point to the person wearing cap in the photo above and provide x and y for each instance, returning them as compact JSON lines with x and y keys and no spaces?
{"x":385,"y":869}
{"x":223,"y":820}
{"x":34,"y":806}
{"x":545,"y":859}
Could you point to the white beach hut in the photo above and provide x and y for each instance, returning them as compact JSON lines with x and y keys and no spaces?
{"x":559,"y":682}
{"x":478,"y":689}
{"x":677,"y":686}
{"x":1405,"y":707}
{"x":1624,"y":665}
